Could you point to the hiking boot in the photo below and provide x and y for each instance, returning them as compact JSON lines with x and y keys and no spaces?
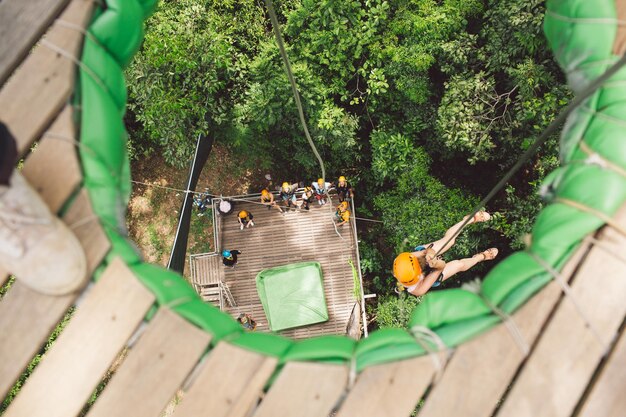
{"x":35,"y":245}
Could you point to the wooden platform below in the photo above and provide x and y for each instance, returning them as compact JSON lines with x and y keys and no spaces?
{"x":279,"y":239}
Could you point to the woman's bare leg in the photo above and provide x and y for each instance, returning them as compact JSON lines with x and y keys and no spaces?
{"x":461,"y":265}
{"x":438,"y":245}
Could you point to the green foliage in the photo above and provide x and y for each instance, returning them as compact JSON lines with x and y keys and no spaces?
{"x":395,"y":311}
{"x":425,"y":103}
{"x":194,"y":59}
{"x":419,"y":209}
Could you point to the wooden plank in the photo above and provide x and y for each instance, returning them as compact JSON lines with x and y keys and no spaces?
{"x":53,"y":168}
{"x":26,"y":319}
{"x":229,"y":384}
{"x":566,"y":356}
{"x":4,"y":277}
{"x":607,"y":397}
{"x":74,"y":366}
{"x":86,"y":226}
{"x":41,"y":86}
{"x":389,"y":390}
{"x":154,"y":369}
{"x":477,"y":358}
{"x":21,"y":24}
{"x":317,"y":385}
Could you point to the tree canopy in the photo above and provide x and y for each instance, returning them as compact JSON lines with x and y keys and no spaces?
{"x":423,"y":104}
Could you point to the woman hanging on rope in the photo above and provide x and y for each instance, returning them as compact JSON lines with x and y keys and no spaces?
{"x":420,"y":270}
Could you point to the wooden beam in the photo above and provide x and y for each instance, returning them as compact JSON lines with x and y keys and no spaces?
{"x":566,"y":356}
{"x":154,"y":369}
{"x":229,"y":384}
{"x":75,"y":364}
{"x":493,"y":358}
{"x":389,"y":390}
{"x":4,"y":277}
{"x":42,"y":85}
{"x":81,"y":219}
{"x":53,"y":168}
{"x":304,"y":390}
{"x":22,"y":22}
{"x":26,"y":319}
{"x":607,"y":397}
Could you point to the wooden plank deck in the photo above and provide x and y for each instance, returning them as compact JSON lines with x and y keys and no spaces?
{"x":280,"y":239}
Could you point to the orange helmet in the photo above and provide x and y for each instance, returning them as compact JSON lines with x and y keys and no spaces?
{"x":407,"y":269}
{"x":265,"y":192}
{"x":243,"y":214}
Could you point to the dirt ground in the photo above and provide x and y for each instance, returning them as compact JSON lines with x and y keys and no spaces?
{"x":153,"y":210}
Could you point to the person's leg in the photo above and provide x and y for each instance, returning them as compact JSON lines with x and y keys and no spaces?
{"x":461,"y":265}
{"x":8,"y":154}
{"x":438,"y":245}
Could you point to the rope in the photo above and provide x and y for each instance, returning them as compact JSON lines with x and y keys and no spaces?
{"x":292,"y":81}
{"x":425,"y":337}
{"x":597,"y":213}
{"x":597,"y":159}
{"x":560,"y":119}
{"x":511,"y":326}
{"x":567,"y":290}
{"x":68,"y":55}
{"x":608,"y":249}
{"x":515,"y":332}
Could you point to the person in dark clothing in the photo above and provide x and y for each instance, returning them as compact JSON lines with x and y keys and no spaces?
{"x":229,"y":257}
{"x":8,"y":155}
{"x":245,"y":219}
{"x":344,"y":190}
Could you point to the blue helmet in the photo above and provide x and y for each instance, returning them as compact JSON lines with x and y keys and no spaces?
{"x":226,"y":253}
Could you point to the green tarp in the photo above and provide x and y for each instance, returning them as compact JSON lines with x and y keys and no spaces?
{"x":292,"y":295}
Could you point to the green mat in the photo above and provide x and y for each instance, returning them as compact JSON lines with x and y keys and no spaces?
{"x":292,"y":295}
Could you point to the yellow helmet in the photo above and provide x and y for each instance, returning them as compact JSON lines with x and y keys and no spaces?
{"x":342,"y":179}
{"x":407,"y":269}
{"x":265,"y":192}
{"x":320,"y":182}
{"x":343,"y":205}
{"x":285,"y":185}
{"x":243,"y":214}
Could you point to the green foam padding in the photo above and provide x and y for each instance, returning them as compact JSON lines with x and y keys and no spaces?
{"x":292,"y":295}
{"x":265,"y":343}
{"x":328,"y":349}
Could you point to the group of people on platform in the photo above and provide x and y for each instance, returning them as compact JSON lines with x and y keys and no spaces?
{"x":318,"y":192}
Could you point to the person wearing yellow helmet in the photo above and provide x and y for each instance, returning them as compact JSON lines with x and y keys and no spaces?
{"x":320,"y":189}
{"x":342,"y":214}
{"x":288,"y":195}
{"x":267,"y":199}
{"x":344,"y":190}
{"x":245,"y":219}
{"x":421,"y":270}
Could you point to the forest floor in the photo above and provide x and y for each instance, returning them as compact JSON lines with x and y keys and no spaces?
{"x":153,"y":211}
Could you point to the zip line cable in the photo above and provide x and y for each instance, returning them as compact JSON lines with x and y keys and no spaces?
{"x":292,"y":81}
{"x":578,"y":100}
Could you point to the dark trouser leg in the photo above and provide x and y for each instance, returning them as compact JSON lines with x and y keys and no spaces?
{"x":342,"y":196}
{"x":8,"y":154}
